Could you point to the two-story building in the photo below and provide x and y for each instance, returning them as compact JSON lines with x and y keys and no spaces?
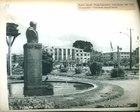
{"x":68,"y":53}
{"x":113,"y":56}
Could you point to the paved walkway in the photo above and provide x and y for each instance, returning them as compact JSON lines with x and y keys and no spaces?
{"x":130,"y":97}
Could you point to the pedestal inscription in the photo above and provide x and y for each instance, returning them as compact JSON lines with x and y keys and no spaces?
{"x":32,"y":69}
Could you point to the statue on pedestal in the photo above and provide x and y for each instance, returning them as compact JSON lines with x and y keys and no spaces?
{"x":32,"y":63}
{"x":33,"y":85}
{"x":31,"y":33}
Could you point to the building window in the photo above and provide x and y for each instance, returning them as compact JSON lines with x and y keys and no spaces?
{"x":55,"y":51}
{"x":68,"y":51}
{"x":73,"y":55}
{"x":55,"y":57}
{"x":81,"y":54}
{"x":64,"y":51}
{"x":64,"y":57}
{"x":77,"y":54}
{"x":60,"y":51}
{"x":60,"y":58}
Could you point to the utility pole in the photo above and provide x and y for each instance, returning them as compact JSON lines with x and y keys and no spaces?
{"x":130,"y":36}
{"x":118,"y":56}
{"x":130,"y":48}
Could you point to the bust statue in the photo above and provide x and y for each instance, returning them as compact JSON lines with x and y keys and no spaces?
{"x":31,"y":33}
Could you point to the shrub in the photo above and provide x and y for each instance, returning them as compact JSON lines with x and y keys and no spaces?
{"x":117,"y":72}
{"x":88,"y":73}
{"x":63,"y":70}
{"x":16,"y":77}
{"x":47,"y":63}
{"x":78,"y":70}
{"x":30,"y":103}
{"x":95,"y":68}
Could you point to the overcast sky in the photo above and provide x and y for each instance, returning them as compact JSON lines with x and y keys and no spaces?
{"x":62,"y":23}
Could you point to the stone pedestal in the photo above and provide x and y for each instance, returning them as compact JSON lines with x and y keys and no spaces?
{"x":32,"y":69}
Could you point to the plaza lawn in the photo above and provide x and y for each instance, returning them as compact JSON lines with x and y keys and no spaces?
{"x":109,"y":94}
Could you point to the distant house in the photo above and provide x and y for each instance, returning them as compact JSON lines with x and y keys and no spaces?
{"x":136,"y":54}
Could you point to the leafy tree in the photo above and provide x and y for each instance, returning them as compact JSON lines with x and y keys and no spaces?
{"x":78,"y":70}
{"x":95,"y":68}
{"x":47,"y":62}
{"x":63,"y":70}
{"x":125,"y":61}
{"x":11,"y":35}
{"x":85,"y":45}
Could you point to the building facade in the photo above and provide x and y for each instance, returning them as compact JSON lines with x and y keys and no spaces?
{"x":68,"y":53}
{"x":136,"y":55}
{"x":113,"y":56}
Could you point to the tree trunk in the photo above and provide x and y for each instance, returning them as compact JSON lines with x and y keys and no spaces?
{"x":9,"y":58}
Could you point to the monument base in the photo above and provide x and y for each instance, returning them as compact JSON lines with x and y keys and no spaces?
{"x":33,"y":91}
{"x":38,"y":91}
{"x":32,"y":69}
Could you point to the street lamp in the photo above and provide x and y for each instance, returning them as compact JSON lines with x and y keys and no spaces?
{"x":130,"y":36}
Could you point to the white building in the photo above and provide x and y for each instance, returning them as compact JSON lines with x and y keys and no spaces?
{"x":113,"y":56}
{"x":68,"y":53}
